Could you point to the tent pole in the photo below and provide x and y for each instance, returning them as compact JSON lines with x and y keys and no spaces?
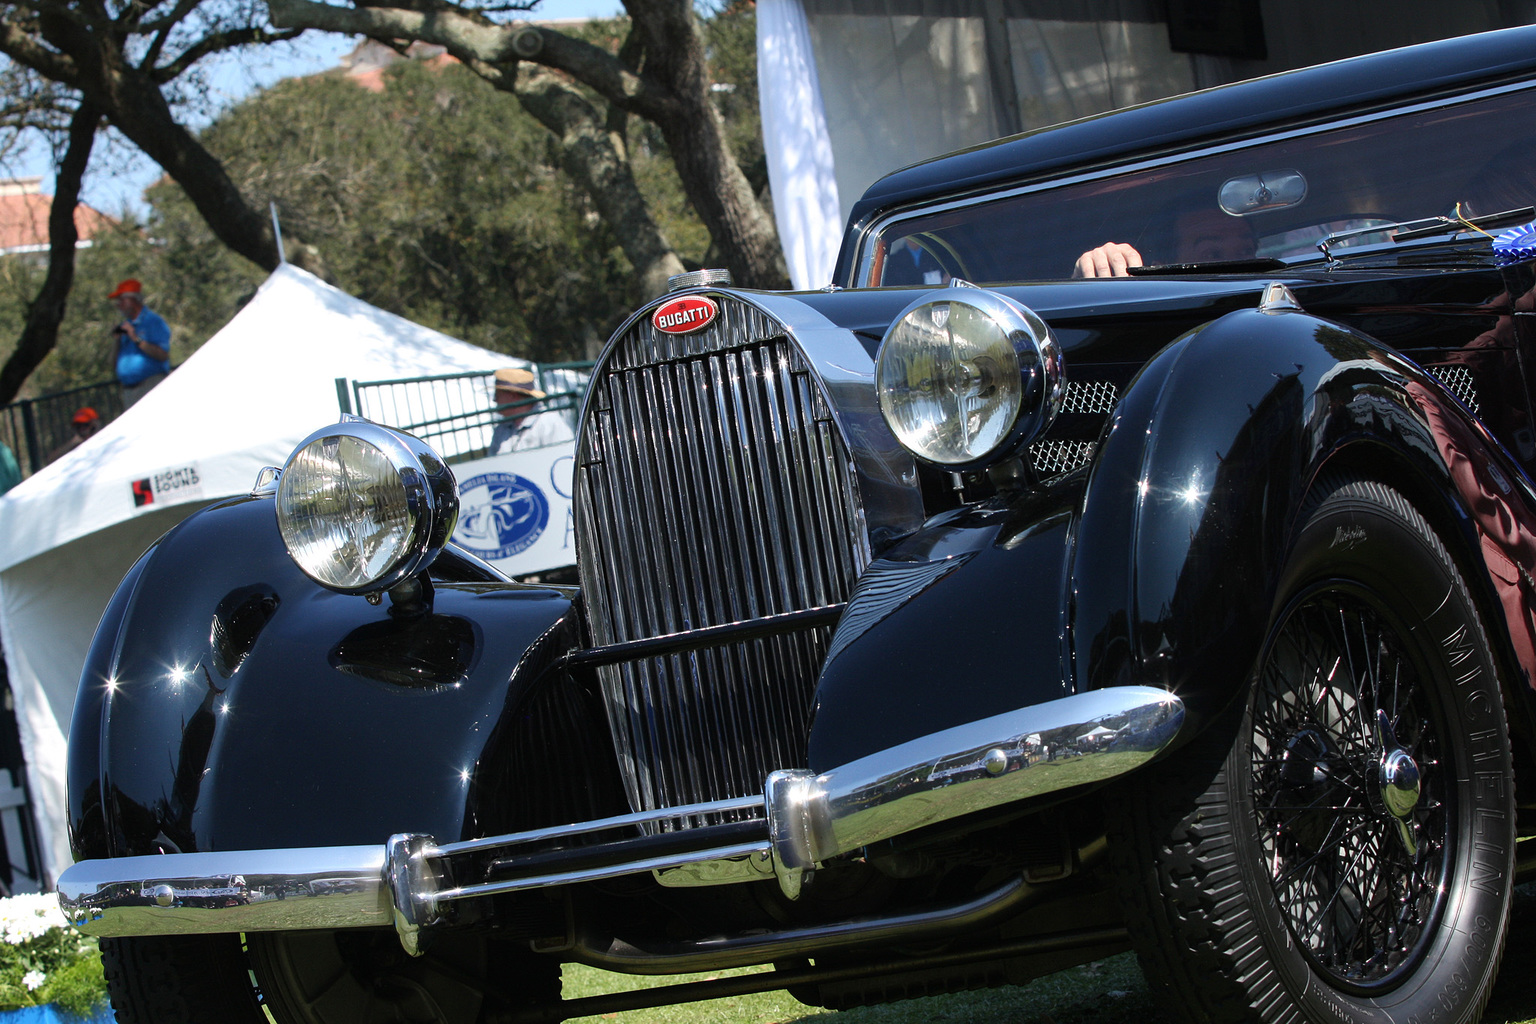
{"x":277,"y":233}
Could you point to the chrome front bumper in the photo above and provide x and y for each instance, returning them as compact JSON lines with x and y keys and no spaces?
{"x":803,"y":820}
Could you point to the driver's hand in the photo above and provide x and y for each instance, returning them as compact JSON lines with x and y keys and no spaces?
{"x":1112,"y":259}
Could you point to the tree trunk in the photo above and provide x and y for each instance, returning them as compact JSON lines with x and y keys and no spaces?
{"x":742,"y":230}
{"x":595,"y":158}
{"x":46,"y":312}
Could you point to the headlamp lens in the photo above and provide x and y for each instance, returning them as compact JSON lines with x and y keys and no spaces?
{"x":345,"y":512}
{"x":948,"y":379}
{"x":968,"y":375}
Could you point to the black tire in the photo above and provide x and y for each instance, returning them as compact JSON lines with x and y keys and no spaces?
{"x":366,"y":977}
{"x":1265,"y":874}
{"x":180,"y":979}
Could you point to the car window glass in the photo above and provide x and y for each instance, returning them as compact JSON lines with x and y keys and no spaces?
{"x":1300,"y":189}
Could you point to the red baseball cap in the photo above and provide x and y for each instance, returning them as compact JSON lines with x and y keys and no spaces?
{"x":128,"y":287}
{"x":85,"y":415}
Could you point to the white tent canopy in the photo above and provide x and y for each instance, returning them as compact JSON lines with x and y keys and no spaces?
{"x":242,"y":401}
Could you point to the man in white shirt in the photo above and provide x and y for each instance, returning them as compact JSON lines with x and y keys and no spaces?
{"x":524,"y":425}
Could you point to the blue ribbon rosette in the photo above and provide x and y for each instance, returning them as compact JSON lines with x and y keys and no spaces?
{"x":1516,"y":244}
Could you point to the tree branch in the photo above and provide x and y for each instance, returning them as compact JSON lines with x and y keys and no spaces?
{"x":215,"y":42}
{"x":161,"y":27}
{"x":171,"y":20}
{"x":604,"y":73}
{"x":23,"y":49}
{"x":472,"y":38}
{"x":593,"y":156}
{"x":466,"y":36}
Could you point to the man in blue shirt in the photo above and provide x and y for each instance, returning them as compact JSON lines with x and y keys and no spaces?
{"x":143,"y":343}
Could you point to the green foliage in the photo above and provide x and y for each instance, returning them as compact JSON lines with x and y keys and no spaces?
{"x":438,"y":199}
{"x":435,"y":199}
{"x":43,"y":960}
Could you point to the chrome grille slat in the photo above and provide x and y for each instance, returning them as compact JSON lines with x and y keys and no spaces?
{"x":647,"y":613}
{"x":699,"y":551}
{"x":810,"y":484}
{"x":712,"y":488}
{"x":713,"y":501}
{"x":725,"y":477}
{"x":749,"y":436}
{"x":662,"y":495}
{"x":802,"y":530}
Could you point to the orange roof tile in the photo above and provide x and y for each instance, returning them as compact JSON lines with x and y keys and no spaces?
{"x":24,"y":217}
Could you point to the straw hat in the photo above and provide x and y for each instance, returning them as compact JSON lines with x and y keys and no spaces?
{"x":519,"y":380}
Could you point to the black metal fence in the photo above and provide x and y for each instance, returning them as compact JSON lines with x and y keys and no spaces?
{"x":457,"y":412}
{"x":37,"y":429}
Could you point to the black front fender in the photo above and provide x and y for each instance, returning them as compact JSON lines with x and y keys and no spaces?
{"x":229,"y":703}
{"x":964,"y":620}
{"x":1202,"y":473}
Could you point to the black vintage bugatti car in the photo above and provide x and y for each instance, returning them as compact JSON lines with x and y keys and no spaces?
{"x":1133,"y":550}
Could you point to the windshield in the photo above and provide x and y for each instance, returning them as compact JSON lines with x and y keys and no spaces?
{"x":1271,"y":200}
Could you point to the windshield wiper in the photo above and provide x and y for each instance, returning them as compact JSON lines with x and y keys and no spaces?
{"x":1253,"y":265}
{"x":1428,"y":227}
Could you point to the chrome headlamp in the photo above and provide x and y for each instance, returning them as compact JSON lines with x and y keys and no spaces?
{"x":967,"y":376}
{"x":361,"y":507}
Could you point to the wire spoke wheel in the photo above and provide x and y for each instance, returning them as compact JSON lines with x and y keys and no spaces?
{"x":1358,"y":883}
{"x":1337,"y":846}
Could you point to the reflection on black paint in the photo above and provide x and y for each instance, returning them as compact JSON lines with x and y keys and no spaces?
{"x":237,"y":622}
{"x":173,"y":812}
{"x":428,"y":651}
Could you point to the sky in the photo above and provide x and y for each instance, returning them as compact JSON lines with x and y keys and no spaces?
{"x":119,"y":175}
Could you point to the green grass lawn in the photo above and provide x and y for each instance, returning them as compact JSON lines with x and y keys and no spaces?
{"x":1108,"y":992}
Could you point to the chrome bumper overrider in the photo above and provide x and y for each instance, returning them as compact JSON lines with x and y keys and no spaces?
{"x":803,"y":819}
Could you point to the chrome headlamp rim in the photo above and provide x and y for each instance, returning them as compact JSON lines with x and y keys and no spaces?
{"x":431,"y":498}
{"x":1042,"y":386}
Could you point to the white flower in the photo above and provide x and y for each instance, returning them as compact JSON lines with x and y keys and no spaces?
{"x":30,"y":915}
{"x":33,"y":980}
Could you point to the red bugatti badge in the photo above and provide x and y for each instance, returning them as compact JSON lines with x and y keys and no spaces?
{"x":685,"y":315}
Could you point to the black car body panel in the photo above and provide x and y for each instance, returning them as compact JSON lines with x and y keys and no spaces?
{"x":227,"y":738}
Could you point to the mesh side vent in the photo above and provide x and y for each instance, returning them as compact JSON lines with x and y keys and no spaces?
{"x":1095,"y":397}
{"x":1052,"y":457}
{"x":1458,"y":381}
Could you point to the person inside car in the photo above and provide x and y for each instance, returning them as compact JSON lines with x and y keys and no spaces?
{"x":909,"y":263}
{"x":1206,"y":235}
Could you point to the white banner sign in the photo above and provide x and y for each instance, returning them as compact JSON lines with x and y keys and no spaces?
{"x":515,"y":509}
